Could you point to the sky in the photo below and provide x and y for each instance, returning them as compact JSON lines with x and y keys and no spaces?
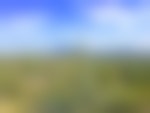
{"x":59,"y":25}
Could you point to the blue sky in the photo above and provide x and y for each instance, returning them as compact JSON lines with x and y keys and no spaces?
{"x":65,"y":24}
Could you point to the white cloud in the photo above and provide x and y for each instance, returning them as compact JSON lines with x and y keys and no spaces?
{"x":113,"y":15}
{"x":24,"y":31}
{"x":130,"y":28}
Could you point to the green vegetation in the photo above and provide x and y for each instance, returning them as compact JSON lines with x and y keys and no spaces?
{"x":74,"y":85}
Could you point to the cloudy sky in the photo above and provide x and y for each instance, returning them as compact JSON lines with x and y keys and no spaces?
{"x":50,"y":25}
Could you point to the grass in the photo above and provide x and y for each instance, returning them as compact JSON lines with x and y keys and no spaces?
{"x":74,"y":85}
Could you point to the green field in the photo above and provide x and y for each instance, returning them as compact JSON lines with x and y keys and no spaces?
{"x":74,"y":85}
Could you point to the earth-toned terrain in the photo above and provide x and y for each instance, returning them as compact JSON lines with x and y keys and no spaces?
{"x":74,"y":85}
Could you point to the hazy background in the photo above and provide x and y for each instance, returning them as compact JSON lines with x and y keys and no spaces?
{"x":74,"y":56}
